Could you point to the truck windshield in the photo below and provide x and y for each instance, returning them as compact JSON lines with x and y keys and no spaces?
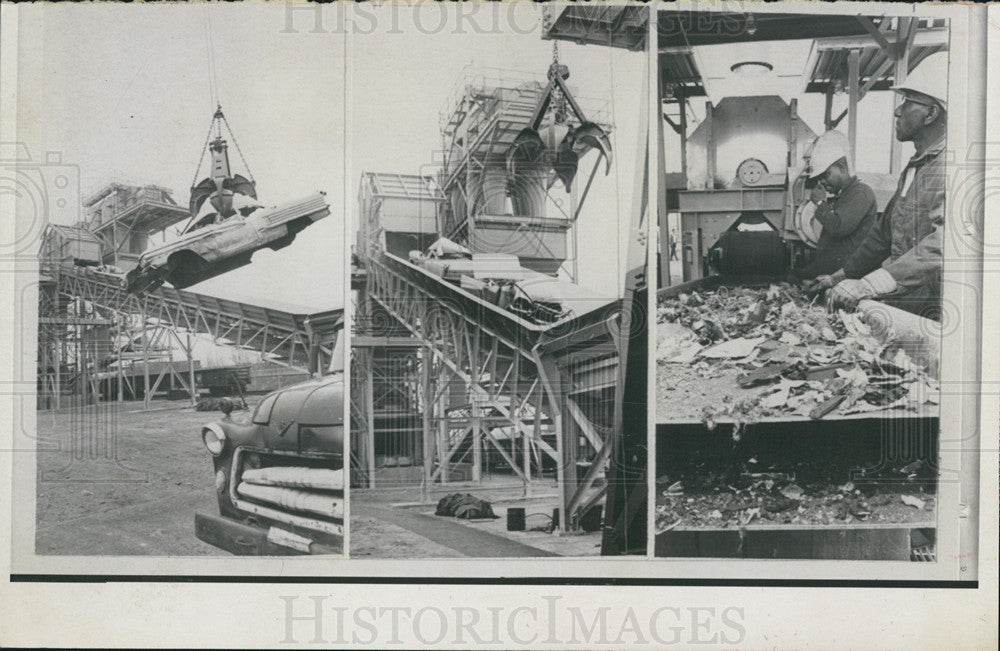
{"x":262,"y":415}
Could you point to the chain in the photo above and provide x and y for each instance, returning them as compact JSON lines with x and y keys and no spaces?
{"x":558,"y":101}
{"x":547,"y":26}
{"x":237,"y":145}
{"x":201,"y":157}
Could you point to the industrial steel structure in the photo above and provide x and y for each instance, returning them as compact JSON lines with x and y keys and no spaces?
{"x":747,"y":155}
{"x":97,"y":340}
{"x":448,"y":384}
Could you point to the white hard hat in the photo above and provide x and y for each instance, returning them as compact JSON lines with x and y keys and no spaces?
{"x":930,"y":78}
{"x":827,"y":150}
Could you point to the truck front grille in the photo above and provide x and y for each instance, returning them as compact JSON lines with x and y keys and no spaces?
{"x":305,"y":492}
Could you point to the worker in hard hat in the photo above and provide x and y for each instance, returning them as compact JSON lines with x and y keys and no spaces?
{"x":900,"y":261}
{"x":846,"y":213}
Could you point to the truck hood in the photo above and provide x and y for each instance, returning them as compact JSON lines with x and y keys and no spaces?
{"x":308,"y":417}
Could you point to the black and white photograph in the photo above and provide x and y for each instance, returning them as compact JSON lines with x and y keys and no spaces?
{"x":502,"y":324}
{"x":499,"y":194}
{"x":190,"y":383}
{"x":799,"y":309}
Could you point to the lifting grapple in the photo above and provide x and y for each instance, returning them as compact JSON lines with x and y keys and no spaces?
{"x":557,"y":145}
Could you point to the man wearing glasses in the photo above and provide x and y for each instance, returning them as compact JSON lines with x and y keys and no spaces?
{"x":900,"y":260}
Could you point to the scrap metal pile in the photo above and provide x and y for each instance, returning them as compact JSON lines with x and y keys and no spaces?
{"x":817,"y":493}
{"x":777,"y":354}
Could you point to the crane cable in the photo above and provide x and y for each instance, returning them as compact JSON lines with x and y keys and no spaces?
{"x":201,"y":156}
{"x":213,"y":89}
{"x":213,"y":79}
{"x":558,"y":102}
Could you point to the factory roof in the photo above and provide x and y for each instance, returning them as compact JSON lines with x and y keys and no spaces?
{"x":74,"y":233}
{"x":827,"y":66}
{"x":623,"y":27}
{"x":405,"y":186}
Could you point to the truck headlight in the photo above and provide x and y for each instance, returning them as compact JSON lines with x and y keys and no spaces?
{"x":214,"y":439}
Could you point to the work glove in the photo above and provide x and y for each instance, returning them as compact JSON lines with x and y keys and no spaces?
{"x":817,"y":195}
{"x":822,"y":283}
{"x":848,"y":293}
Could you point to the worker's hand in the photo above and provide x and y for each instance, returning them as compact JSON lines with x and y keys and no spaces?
{"x":848,"y":293}
{"x":817,"y":195}
{"x":819,"y":284}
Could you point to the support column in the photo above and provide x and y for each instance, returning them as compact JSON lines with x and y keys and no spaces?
{"x":475,"y":412}
{"x":121,"y":371}
{"x":536,"y":430}
{"x":145,"y":361}
{"x":369,"y":399}
{"x":549,"y":376}
{"x":441,"y":390}
{"x":60,"y":353}
{"x":828,"y":108}
{"x":426,"y":430}
{"x":853,"y":68}
{"x":709,"y":148}
{"x":189,"y":351}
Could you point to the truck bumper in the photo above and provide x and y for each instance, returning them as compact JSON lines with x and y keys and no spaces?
{"x":246,"y":540}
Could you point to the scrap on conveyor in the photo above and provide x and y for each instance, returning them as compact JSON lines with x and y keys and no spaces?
{"x":773,"y":354}
{"x":500,"y":280}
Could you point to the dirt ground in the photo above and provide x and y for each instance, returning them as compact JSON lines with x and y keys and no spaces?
{"x":393,"y":523}
{"x":142,"y":476}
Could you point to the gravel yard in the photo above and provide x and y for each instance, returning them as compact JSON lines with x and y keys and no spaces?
{"x":137,"y":495}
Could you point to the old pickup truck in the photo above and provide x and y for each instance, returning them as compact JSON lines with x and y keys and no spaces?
{"x":279,"y":471}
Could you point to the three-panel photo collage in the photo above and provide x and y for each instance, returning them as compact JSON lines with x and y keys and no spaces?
{"x":546,"y":283}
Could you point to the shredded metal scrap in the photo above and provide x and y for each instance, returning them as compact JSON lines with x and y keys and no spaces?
{"x":805,"y":361}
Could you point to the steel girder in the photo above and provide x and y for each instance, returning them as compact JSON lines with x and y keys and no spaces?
{"x":280,"y":336}
{"x":492,"y":379}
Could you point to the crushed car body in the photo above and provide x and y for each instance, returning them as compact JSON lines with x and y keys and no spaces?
{"x":228,"y":224}
{"x":213,"y":246}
